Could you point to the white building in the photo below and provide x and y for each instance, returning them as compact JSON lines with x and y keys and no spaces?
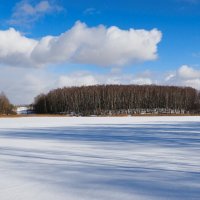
{"x":24,"y":110}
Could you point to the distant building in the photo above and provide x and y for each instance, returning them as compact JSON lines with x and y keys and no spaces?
{"x":24,"y":110}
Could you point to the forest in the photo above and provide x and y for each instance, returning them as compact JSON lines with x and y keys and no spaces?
{"x":5,"y":106}
{"x":119,"y":99}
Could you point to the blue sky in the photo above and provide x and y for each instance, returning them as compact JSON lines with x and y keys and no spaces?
{"x":169,"y":55}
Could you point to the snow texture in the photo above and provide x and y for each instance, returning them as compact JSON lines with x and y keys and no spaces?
{"x":129,"y":158}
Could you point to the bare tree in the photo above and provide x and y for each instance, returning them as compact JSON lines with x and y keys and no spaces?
{"x":5,"y":106}
{"x":119,"y":99}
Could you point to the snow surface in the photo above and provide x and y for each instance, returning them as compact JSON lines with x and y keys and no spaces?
{"x":122,"y":158}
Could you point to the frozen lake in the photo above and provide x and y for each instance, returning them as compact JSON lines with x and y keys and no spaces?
{"x":123,"y":158}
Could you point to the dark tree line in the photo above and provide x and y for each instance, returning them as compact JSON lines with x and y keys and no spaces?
{"x":119,"y":99}
{"x":5,"y":106}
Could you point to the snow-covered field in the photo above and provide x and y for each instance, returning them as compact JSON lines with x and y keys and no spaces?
{"x":130,"y":158}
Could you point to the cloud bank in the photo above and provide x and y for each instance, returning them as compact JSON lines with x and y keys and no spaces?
{"x":86,"y":78}
{"x":81,"y":44}
{"x":21,"y":85}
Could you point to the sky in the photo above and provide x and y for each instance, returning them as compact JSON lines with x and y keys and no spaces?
{"x":46,"y":44}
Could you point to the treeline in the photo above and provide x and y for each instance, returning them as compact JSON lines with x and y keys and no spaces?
{"x":5,"y":106}
{"x":119,"y":99}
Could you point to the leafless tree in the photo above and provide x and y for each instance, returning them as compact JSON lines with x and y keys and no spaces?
{"x":5,"y":106}
{"x":119,"y":99}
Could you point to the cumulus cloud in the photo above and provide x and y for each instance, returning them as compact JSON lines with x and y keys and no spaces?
{"x":15,"y":49}
{"x":25,"y":12}
{"x":185,"y":76}
{"x":81,"y":44}
{"x":187,"y":72}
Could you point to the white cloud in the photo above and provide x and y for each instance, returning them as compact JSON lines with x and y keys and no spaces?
{"x":81,"y":44}
{"x":21,"y":85}
{"x":195,"y":83}
{"x":91,"y":11}
{"x":15,"y":49}
{"x":77,"y":79}
{"x":170,"y":76}
{"x":25,"y":13}
{"x":185,"y":76}
{"x":86,"y":78}
{"x":142,"y":81}
{"x":187,"y":72}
